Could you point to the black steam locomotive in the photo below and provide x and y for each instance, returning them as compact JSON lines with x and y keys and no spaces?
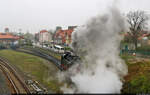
{"x":68,"y":59}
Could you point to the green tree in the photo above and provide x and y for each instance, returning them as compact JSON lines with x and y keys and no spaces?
{"x":28,"y":38}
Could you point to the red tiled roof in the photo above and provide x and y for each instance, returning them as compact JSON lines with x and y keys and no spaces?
{"x":43,"y":31}
{"x":8,"y":36}
{"x":144,"y":35}
{"x":63,"y":33}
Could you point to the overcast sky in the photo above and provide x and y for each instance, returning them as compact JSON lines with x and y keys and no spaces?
{"x":34,"y":15}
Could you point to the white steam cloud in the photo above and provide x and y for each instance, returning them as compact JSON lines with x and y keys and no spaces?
{"x":101,"y":70}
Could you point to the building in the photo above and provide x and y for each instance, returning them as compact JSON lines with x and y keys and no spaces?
{"x":45,"y":36}
{"x":142,"y":40}
{"x":63,"y":37}
{"x":8,"y":39}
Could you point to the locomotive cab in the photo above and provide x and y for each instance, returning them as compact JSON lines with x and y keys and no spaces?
{"x":68,"y":59}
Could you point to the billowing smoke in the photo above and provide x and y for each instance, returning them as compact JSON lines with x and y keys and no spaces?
{"x":97,"y":43}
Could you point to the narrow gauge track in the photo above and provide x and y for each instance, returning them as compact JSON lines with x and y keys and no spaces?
{"x":17,"y":85}
{"x":11,"y":82}
{"x":39,"y":53}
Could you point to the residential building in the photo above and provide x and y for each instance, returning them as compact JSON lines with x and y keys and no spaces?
{"x":54,"y":38}
{"x":64,"y":37}
{"x":45,"y":36}
{"x":142,"y":40}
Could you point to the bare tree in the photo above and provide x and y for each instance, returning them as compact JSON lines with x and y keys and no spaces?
{"x":137,"y":21}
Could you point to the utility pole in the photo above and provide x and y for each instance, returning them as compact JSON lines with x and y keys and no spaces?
{"x":42,"y":40}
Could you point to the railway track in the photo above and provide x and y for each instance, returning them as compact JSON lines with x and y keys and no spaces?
{"x":39,"y":53}
{"x":15,"y":82}
{"x":45,"y":55}
{"x":11,"y":82}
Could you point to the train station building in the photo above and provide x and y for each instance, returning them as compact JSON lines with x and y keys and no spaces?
{"x":8,"y":39}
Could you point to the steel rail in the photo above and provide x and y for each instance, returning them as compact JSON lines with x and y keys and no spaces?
{"x":6,"y":64}
{"x":16,"y":90}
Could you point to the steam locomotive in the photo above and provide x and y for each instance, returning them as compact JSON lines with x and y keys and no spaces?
{"x":68,"y":59}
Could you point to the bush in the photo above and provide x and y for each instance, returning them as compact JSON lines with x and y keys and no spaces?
{"x":67,"y":48}
{"x":139,"y":84}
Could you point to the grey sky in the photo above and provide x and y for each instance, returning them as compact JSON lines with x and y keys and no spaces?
{"x":34,"y":15}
